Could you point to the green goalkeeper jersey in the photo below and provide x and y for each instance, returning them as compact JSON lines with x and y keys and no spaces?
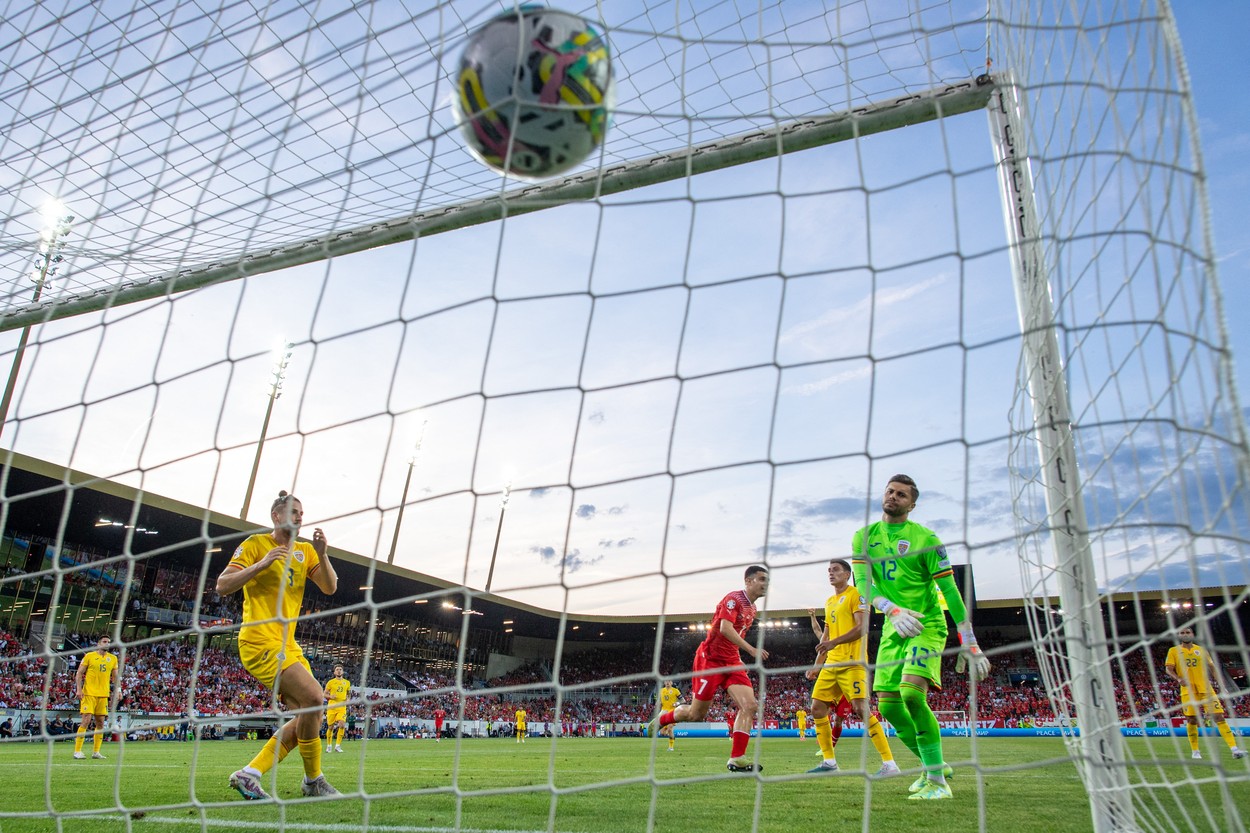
{"x":908,"y":561}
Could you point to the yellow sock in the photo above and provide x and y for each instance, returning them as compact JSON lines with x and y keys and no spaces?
{"x":265,"y":759}
{"x":82,"y":734}
{"x":1191,"y":729}
{"x":1227,"y":734}
{"x":338,"y":737}
{"x":97,"y":740}
{"x":310,"y":751}
{"x":876,"y":734}
{"x":824,"y":737}
{"x":670,"y":741}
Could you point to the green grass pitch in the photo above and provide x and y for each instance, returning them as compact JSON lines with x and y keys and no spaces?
{"x":499,"y":785}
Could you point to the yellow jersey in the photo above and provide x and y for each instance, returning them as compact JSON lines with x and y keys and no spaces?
{"x":277,"y":593}
{"x":336,"y":690}
{"x":840,"y":609}
{"x":800,"y":717}
{"x":668,"y":698}
{"x":520,"y":717}
{"x":1191,"y":664}
{"x":99,"y":676}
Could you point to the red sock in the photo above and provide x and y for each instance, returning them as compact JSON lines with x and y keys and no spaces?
{"x":836,"y":731}
{"x":740,"y":739}
{"x":668,"y":717}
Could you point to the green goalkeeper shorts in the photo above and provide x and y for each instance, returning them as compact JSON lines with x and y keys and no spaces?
{"x":919,"y":656}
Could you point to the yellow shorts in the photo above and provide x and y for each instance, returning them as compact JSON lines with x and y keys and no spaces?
{"x":335,"y":715}
{"x":802,"y":724}
{"x":520,"y":727}
{"x":1204,"y":698}
{"x":849,"y":680}
{"x":92,"y":704}
{"x":263,"y":659}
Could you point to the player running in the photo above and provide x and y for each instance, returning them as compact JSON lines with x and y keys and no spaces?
{"x":713,"y":667}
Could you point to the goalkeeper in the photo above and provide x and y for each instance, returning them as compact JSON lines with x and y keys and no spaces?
{"x":901,"y":566}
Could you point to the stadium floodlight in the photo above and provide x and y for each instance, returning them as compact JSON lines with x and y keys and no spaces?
{"x":56,"y":225}
{"x":282,"y":357}
{"x":503,"y":507}
{"x":403,"y":500}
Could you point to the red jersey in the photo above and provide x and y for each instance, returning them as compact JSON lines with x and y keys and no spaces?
{"x":439,"y":714}
{"x":739,"y":612}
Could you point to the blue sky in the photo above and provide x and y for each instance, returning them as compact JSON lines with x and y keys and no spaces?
{"x":544,"y":352}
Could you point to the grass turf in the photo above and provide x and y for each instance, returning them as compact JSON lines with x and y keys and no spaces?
{"x":595,"y":786}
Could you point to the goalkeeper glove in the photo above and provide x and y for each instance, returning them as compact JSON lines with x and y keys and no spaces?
{"x":906,"y":623}
{"x":970,"y":656}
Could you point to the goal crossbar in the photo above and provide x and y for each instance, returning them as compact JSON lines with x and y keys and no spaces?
{"x":752,"y":146}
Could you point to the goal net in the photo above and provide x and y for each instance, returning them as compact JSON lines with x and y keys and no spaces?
{"x":547,"y":426}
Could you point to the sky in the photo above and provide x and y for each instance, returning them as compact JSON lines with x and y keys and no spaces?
{"x":669,"y":384}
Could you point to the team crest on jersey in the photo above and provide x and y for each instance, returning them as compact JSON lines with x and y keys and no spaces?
{"x":731,"y":604}
{"x":903,"y":547}
{"x":237,"y":552}
{"x":299,"y":556}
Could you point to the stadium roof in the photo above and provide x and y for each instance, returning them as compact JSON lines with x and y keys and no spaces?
{"x":43,"y":500}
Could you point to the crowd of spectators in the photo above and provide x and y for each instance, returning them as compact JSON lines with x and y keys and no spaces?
{"x":156,"y":679}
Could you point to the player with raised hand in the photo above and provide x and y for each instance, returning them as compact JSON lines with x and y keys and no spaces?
{"x":272,"y":569}
{"x":901,"y":566}
{"x":714,"y":662}
{"x":1196,"y":672}
{"x":841,"y":670}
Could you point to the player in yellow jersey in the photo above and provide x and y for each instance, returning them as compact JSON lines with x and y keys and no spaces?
{"x":670,"y":696}
{"x":336,"y":709}
{"x":841,"y":670}
{"x":520,"y":725}
{"x":271,"y":569}
{"x":800,"y":722}
{"x":1192,"y":667}
{"x":96,"y":685}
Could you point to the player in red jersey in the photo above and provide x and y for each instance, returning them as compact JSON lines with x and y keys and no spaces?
{"x":713,"y":661}
{"x":439,"y":716}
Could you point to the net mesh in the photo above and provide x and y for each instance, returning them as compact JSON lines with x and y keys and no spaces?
{"x":610,"y":406}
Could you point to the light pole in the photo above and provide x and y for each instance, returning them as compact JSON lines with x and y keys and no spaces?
{"x":51,"y":240}
{"x":403,"y":501}
{"x":282,"y":355}
{"x":503,"y":507}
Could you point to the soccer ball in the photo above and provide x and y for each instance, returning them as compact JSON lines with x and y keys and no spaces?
{"x":534,"y":91}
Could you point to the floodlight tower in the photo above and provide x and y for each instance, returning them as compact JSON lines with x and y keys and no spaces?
{"x":403,"y":501}
{"x":282,"y":357}
{"x":56,"y":225}
{"x":503,"y":507}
